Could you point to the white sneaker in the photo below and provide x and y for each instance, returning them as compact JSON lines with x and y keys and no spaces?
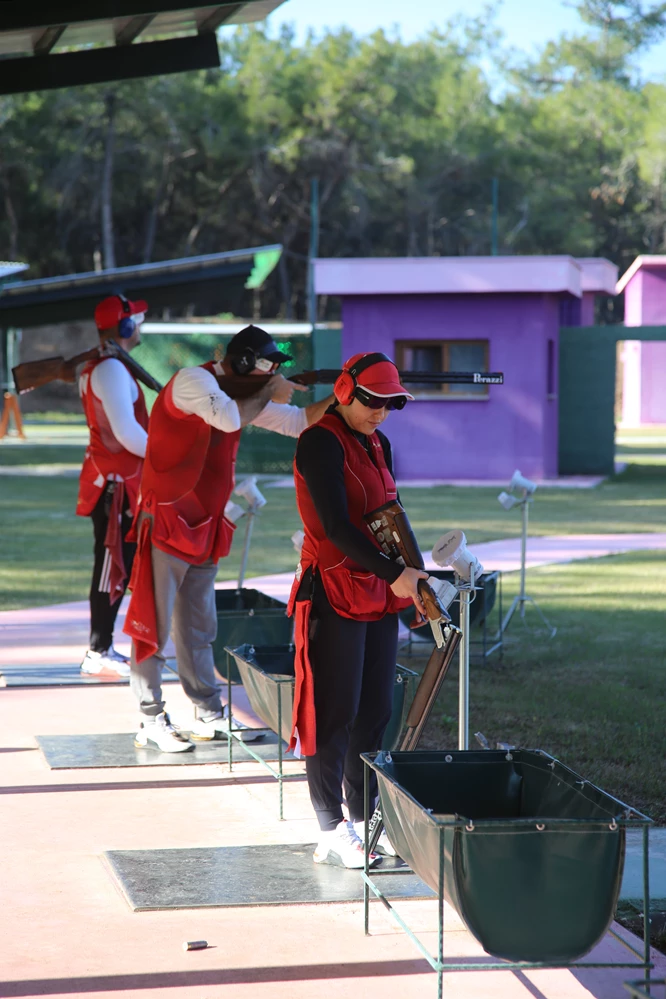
{"x":384,"y":845}
{"x":105,"y":664}
{"x":158,"y":731}
{"x":342,"y":847}
{"x":210,"y":729}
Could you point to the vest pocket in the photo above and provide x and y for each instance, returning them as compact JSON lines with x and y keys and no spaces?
{"x":355,"y":593}
{"x":191,"y":537}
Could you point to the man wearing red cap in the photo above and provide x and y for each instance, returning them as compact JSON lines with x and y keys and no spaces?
{"x":116,"y":414}
{"x":182,"y":530}
{"x":346,"y":596}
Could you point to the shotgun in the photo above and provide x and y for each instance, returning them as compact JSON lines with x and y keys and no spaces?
{"x":244,"y":386}
{"x":420,"y":709}
{"x":34,"y":374}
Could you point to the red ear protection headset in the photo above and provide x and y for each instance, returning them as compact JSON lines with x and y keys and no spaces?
{"x":346,"y":382}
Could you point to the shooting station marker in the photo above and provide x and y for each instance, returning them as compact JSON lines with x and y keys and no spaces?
{"x":263,"y":875}
{"x":118,"y":750}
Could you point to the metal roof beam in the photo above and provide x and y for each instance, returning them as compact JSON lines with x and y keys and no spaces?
{"x":20,"y":15}
{"x":130,"y":31}
{"x":212,"y":20}
{"x":102,"y":65}
{"x":48,"y":39}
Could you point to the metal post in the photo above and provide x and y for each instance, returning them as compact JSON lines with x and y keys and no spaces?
{"x":440,"y":927}
{"x":230,"y":738}
{"x":646,"y":906}
{"x":314,"y":249}
{"x":246,"y":549}
{"x":279,"y":694}
{"x":495,"y":212}
{"x":463,"y":680}
{"x":523,"y":556}
{"x":366,"y":845}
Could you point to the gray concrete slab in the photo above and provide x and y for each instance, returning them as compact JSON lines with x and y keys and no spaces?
{"x":264,"y":875}
{"x":118,"y":750}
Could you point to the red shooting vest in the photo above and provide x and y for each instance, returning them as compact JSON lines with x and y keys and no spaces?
{"x":105,"y":456}
{"x":351,"y":590}
{"x":188,"y":477}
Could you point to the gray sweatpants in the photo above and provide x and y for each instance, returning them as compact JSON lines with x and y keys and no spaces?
{"x":184,"y":604}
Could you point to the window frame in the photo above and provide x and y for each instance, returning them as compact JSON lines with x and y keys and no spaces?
{"x":445,"y":392}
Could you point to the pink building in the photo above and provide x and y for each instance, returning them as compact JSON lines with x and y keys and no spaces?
{"x":643,"y":396}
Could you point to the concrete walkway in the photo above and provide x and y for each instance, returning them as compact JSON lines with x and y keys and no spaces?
{"x":67,"y":932}
{"x":59,"y":633}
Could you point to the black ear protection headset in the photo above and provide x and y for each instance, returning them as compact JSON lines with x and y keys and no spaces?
{"x":245,"y":362}
{"x":126,"y":326}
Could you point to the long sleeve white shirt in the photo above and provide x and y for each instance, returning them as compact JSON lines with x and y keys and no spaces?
{"x":195,"y":391}
{"x":118,"y":392}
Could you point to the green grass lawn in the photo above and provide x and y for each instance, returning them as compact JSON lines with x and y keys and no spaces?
{"x":47,"y":549}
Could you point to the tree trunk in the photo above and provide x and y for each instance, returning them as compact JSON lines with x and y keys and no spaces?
{"x":108,"y":245}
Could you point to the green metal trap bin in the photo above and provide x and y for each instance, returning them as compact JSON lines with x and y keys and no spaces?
{"x":528,"y":853}
{"x":267,"y":674}
{"x":247,"y":616}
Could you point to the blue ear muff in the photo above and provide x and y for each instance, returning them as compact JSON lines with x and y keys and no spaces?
{"x":126,"y":327}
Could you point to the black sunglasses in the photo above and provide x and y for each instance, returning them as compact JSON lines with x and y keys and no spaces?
{"x":379,"y":402}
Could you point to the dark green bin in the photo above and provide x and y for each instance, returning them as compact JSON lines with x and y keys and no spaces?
{"x":248,"y":617}
{"x":267,"y":673}
{"x":532,"y":854}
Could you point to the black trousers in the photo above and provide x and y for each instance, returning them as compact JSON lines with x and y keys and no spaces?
{"x":353,"y":664}
{"x":103,"y":614}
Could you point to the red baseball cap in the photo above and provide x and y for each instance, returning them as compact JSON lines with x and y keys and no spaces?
{"x":109,"y":312}
{"x":381,"y":378}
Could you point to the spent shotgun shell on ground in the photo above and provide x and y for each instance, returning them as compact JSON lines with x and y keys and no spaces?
{"x":194,"y":945}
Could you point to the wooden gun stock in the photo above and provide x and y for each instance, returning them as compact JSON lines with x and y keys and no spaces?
{"x":33,"y":374}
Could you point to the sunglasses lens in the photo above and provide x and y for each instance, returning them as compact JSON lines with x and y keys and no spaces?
{"x":378,"y":402}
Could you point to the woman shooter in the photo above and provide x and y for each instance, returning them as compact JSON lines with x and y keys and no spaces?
{"x":346,"y":596}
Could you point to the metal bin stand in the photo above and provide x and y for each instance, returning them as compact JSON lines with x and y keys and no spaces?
{"x":267,"y":674}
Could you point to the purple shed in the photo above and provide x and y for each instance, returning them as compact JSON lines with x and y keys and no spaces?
{"x":466,"y":314}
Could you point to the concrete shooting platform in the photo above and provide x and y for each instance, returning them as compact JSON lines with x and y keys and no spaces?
{"x":68,"y":932}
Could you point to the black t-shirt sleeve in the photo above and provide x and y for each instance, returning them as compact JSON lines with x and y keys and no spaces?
{"x":320,"y":460}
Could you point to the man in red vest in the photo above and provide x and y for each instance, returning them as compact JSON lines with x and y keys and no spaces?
{"x":116,"y":414}
{"x":182,"y":530}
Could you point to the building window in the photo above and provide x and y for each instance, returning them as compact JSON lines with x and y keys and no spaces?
{"x":444,"y":356}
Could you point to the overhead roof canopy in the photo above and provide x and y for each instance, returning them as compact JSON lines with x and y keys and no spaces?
{"x":45,"y":44}
{"x":463,"y":275}
{"x":216,"y":278}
